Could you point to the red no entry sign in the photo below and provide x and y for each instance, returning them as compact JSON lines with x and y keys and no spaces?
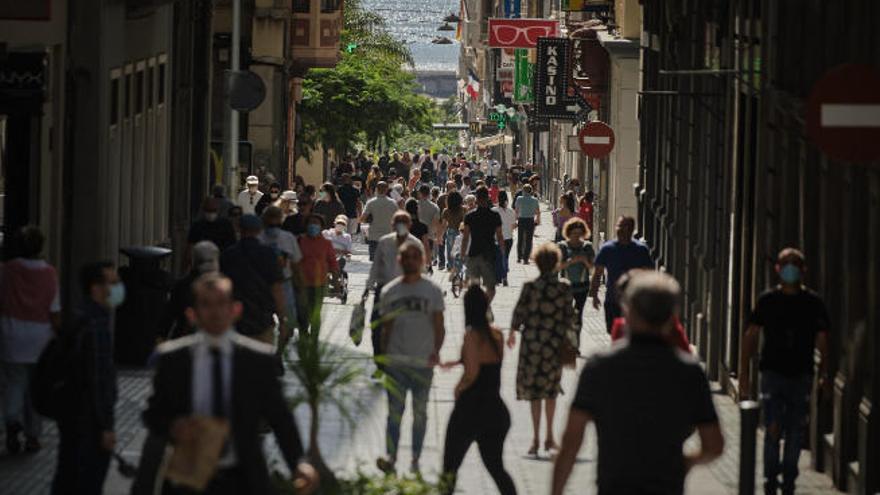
{"x":843,"y":113}
{"x":596,"y":139}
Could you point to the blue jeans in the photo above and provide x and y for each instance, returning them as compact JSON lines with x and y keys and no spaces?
{"x":418,"y":382}
{"x":451,"y":235}
{"x":17,"y":408}
{"x":786,"y":403}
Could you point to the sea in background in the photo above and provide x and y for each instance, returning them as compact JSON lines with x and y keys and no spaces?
{"x":416,"y":23}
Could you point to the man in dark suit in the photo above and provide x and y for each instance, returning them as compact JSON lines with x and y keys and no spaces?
{"x":218,"y":373}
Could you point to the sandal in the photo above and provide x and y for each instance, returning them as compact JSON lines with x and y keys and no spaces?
{"x":533,"y":452}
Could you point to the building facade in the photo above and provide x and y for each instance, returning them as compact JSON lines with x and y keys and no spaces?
{"x":729,"y":177}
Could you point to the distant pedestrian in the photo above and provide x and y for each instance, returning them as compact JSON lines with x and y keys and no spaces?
{"x":30,"y":313}
{"x":218,"y":373}
{"x":318,"y":261}
{"x":528,"y":216}
{"x":175,"y":323}
{"x":418,"y":229}
{"x":218,"y":192}
{"x":383,"y":270}
{"x":508,"y":223}
{"x":378,"y":213}
{"x":646,"y":398}
{"x":577,"y":261}
{"x":328,"y":206}
{"x":585,"y":209}
{"x":268,"y":199}
{"x":249,"y":198}
{"x":287,"y":250}
{"x":452,"y":217}
{"x":210,"y":226}
{"x":482,"y":233}
{"x":351,"y":200}
{"x":617,"y":257}
{"x":287,"y":204}
{"x":545,"y":316}
{"x":676,"y":338}
{"x":87,"y":429}
{"x":565,"y":212}
{"x":429,"y":214}
{"x":258,"y":278}
{"x":479,"y":415}
{"x":793,"y":322}
{"x":413,"y":333}
{"x":234,"y":216}
{"x":296,"y":223}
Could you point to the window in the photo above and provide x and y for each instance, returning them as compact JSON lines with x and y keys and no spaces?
{"x":114,"y":101}
{"x":161,"y":84}
{"x":150,"y":83}
{"x":139,"y":92}
{"x":329,"y":6}
{"x":127,"y":100}
{"x":302,"y":6}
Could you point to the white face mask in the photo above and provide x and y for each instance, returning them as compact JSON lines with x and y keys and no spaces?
{"x":339,"y":229}
{"x":211,"y":216}
{"x":401,"y":229}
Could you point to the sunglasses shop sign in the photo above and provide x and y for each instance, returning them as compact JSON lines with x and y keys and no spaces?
{"x":520,"y":33}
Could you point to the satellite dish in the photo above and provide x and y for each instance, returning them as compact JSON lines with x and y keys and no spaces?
{"x":246,"y":90}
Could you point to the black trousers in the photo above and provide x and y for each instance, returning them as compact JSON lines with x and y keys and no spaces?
{"x":82,"y":461}
{"x":488,"y":426}
{"x":580,"y":294}
{"x":612,"y":312}
{"x":526,"y":227}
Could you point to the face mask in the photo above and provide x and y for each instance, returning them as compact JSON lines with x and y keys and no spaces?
{"x":211,"y":216}
{"x":117,"y":295}
{"x":339,"y":229}
{"x":401,"y":229}
{"x":790,"y":274}
{"x":322,"y":195}
{"x":274,"y":195}
{"x":313,"y":230}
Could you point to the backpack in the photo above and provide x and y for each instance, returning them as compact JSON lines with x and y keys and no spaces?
{"x":53,"y":387}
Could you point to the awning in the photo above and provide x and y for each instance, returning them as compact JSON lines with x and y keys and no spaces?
{"x":493,"y":140}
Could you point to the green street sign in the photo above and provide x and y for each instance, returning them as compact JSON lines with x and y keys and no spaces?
{"x":523,"y":73}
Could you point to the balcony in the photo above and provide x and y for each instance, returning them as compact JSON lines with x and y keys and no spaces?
{"x":314,"y":33}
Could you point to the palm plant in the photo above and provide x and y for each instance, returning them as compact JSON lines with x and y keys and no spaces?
{"x":326,"y":375}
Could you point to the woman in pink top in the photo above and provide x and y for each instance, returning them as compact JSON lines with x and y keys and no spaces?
{"x":29,"y":313}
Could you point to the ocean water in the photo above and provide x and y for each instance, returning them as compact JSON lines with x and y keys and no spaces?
{"x":416,"y":22}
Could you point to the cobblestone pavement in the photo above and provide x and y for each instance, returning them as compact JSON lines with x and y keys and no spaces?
{"x":350,"y":448}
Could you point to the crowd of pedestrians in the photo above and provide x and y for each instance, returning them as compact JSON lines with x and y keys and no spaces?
{"x":256,"y":276}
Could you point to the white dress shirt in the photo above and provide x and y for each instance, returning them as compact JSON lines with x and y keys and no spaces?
{"x":202,"y":381}
{"x":248,"y":202}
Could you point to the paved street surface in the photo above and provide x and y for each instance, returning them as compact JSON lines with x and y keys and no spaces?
{"x":348,"y":449}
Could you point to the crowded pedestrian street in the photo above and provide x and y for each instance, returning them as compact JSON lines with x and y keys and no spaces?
{"x":353,"y":446}
{"x":439,"y":247}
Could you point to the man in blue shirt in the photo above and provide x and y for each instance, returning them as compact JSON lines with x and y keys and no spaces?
{"x":528,"y":214}
{"x":618,"y":257}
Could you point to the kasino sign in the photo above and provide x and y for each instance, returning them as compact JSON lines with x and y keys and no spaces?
{"x":520,"y":33}
{"x":552,"y":99}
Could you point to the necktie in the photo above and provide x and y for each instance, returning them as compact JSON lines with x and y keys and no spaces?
{"x":218,"y":406}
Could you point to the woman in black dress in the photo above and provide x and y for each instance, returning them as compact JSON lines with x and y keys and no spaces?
{"x":479,"y":415}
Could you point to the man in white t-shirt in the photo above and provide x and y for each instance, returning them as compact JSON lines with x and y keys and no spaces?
{"x":378,"y":213}
{"x":249,"y":198}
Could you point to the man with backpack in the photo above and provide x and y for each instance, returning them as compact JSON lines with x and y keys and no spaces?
{"x":86,"y":415}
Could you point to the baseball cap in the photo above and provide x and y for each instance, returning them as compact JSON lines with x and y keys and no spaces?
{"x":252,"y":180}
{"x":288,"y":196}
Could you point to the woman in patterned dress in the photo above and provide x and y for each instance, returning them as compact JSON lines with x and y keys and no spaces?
{"x":545,"y":316}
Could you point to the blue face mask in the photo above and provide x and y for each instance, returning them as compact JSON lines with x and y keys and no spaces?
{"x":117,"y":295}
{"x":313,"y":230}
{"x":790,"y":274}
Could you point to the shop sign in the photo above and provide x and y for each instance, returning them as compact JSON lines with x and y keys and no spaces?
{"x":522,"y":83}
{"x":586,"y":5}
{"x":552,"y":99}
{"x":520,"y":33}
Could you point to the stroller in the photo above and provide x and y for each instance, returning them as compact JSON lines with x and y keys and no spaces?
{"x":337,"y":286}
